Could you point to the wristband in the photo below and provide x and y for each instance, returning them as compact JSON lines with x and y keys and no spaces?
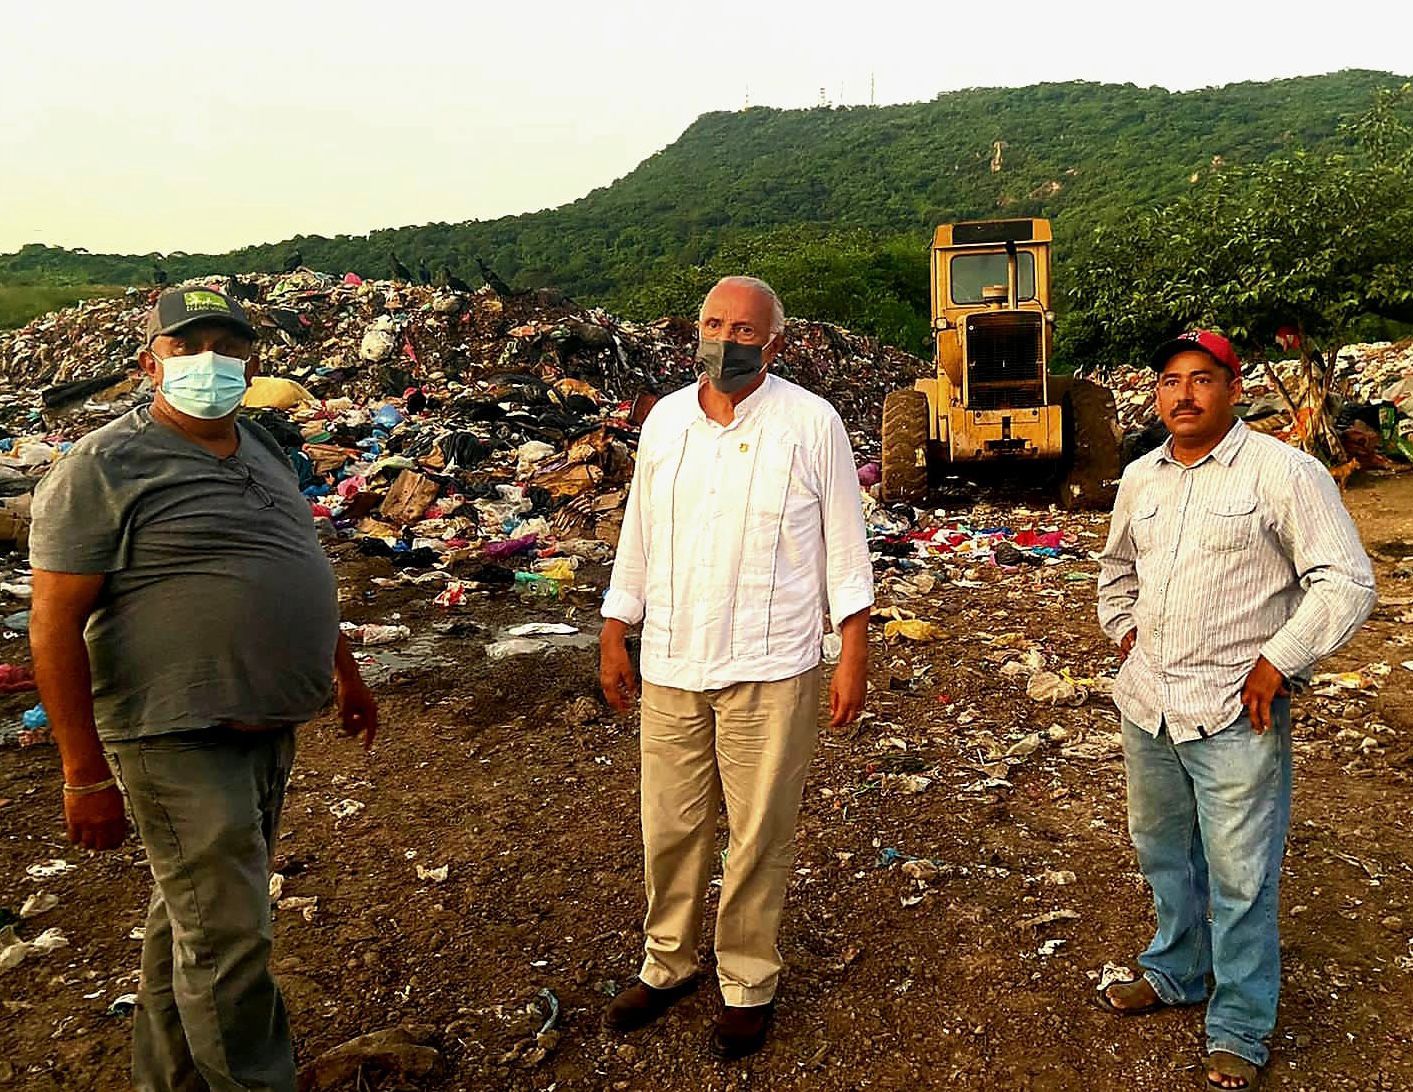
{"x":89,"y":790}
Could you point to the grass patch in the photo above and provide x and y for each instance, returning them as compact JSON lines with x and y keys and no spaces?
{"x":21,"y":302}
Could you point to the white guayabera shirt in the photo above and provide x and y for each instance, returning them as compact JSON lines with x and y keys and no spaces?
{"x":738,"y":538}
{"x":1248,"y":553}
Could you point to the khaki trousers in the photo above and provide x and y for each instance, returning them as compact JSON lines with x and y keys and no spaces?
{"x":750,"y":744}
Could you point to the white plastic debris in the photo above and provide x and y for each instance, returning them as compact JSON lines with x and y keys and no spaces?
{"x":307,"y":905}
{"x":49,"y":940}
{"x":514,"y":646}
{"x":1024,"y":747}
{"x":38,"y":903}
{"x":433,"y":875}
{"x":530,"y":454}
{"x":1047,"y":686}
{"x":372,"y":634}
{"x":277,"y":886}
{"x":543,"y":629}
{"x":346,"y":808}
{"x":56,"y":866}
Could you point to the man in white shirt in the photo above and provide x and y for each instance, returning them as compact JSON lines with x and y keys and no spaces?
{"x":743,"y":527}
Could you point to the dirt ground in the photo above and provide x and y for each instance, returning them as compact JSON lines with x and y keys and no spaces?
{"x":503,"y":772}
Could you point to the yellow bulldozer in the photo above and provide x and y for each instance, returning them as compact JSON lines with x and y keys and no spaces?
{"x":993,"y":401}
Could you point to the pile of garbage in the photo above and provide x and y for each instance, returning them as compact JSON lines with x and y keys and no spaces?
{"x":476,"y":440}
{"x":1358,"y":412}
{"x":371,"y":340}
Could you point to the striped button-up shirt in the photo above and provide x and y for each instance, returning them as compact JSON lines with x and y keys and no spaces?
{"x":1248,"y":553}
{"x":737,"y":539}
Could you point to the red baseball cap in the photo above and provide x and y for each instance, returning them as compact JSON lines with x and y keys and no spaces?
{"x":1201,"y":341}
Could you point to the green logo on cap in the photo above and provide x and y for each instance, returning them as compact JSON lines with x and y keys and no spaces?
{"x":205,"y":301}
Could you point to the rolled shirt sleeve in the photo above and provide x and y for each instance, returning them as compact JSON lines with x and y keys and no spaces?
{"x":626,"y":598}
{"x":1331,"y":565}
{"x":848,"y":569}
{"x":1118,"y":575}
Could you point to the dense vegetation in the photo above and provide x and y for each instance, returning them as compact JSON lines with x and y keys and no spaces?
{"x":834,"y":206}
{"x":1312,"y":248}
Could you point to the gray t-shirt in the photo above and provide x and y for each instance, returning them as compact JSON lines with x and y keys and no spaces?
{"x":219,"y":604}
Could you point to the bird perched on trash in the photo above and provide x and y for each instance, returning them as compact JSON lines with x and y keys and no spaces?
{"x":498,"y":286}
{"x":244,"y":290}
{"x":450,"y":280}
{"x":159,"y":276}
{"x":400,"y":271}
{"x":293,"y":260}
{"x":424,"y":275}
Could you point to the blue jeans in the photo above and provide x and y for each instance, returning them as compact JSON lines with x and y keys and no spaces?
{"x":207,"y":805}
{"x":1209,"y":818}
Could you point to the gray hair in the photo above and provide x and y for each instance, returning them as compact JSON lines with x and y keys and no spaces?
{"x":777,"y":309}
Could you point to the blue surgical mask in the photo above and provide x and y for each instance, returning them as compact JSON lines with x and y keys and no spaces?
{"x":205,"y":385}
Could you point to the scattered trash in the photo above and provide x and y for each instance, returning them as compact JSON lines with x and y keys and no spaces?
{"x":346,"y":809}
{"x":1048,"y":919}
{"x":307,"y":905}
{"x":38,"y":903}
{"x":1047,"y":686}
{"x":53,"y":867}
{"x":912,"y":629}
{"x":432,"y":875}
{"x":400,"y":1053}
{"x":514,"y":646}
{"x":374,"y":634}
{"x":542,"y":629}
{"x":277,"y":886}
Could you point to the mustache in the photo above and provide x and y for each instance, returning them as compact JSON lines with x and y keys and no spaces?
{"x":1185,"y":407}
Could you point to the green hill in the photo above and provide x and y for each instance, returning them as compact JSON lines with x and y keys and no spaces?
{"x":868,"y":180}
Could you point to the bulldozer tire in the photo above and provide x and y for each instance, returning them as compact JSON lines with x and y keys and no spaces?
{"x":1092,"y":443}
{"x":905,"y":430}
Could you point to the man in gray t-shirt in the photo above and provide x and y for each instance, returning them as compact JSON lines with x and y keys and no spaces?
{"x":185,"y":621}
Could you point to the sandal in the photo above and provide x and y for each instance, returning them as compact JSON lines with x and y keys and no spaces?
{"x":1107,"y":1003}
{"x":1229,"y":1065}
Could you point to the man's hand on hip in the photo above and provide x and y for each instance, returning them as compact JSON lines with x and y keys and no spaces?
{"x":96,"y":820}
{"x":1263,"y":686}
{"x":616,"y":675}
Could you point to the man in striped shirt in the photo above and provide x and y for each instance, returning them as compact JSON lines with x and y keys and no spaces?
{"x":1230,"y":569}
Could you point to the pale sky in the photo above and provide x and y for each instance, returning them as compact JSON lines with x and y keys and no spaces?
{"x":203,"y":126}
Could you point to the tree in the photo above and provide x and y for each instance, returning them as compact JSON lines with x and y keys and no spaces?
{"x":1309,"y":244}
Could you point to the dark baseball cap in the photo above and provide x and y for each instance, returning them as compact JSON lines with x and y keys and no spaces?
{"x":1199,"y":341}
{"x":178,"y":308}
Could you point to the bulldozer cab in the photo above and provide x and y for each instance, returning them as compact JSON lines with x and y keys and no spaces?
{"x":993,"y":400}
{"x":991,"y":317}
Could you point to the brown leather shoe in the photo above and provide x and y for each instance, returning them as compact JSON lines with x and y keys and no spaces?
{"x":740,"y":1030}
{"x":640,"y":1004}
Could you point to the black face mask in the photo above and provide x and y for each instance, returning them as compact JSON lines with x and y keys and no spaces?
{"x":729,"y":365}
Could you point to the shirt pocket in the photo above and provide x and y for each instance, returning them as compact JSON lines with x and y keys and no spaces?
{"x":1230,"y":524}
{"x":765,"y":508}
{"x":1142,"y":523}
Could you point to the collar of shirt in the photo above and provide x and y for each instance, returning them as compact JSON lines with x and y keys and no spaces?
{"x":1224,"y":452}
{"x":742,"y":409}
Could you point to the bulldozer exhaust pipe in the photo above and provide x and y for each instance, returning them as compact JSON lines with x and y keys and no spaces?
{"x":1012,"y":276}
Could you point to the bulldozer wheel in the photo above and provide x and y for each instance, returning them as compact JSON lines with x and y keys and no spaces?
{"x":905,"y":446}
{"x":1092,"y":442}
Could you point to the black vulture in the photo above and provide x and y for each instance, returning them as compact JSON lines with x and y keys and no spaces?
{"x":400,"y":271}
{"x":424,"y":275}
{"x":293,"y":260}
{"x":159,"y":276}
{"x":498,"y":286}
{"x":452,"y":281}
